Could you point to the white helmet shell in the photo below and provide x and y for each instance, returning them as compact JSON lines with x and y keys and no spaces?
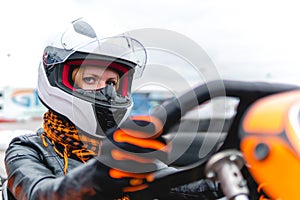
{"x":94,"y":111}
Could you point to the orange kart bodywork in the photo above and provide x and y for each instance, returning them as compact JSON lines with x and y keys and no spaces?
{"x":270,"y":143}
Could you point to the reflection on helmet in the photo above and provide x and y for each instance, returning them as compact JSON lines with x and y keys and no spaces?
{"x":91,"y":110}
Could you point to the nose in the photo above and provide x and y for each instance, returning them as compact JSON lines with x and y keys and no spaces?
{"x":101,"y":84}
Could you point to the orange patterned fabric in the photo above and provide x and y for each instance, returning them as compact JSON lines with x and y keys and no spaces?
{"x":62,"y":132}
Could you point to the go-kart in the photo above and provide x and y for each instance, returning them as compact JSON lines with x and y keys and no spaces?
{"x":257,"y":157}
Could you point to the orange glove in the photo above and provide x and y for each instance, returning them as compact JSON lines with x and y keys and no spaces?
{"x":133,"y":152}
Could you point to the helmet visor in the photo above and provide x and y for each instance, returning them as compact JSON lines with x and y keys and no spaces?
{"x":80,"y":36}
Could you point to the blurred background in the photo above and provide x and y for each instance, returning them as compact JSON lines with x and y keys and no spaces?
{"x":245,"y":40}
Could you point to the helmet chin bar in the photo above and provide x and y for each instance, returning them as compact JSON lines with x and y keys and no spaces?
{"x":107,"y":109}
{"x":108,"y":118}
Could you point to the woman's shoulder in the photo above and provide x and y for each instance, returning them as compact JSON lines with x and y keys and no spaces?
{"x":28,"y":142}
{"x":27,"y":138}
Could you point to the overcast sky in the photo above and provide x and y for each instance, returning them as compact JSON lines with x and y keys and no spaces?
{"x":255,"y":39}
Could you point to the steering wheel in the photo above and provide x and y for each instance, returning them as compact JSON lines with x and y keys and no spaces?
{"x":172,"y":111}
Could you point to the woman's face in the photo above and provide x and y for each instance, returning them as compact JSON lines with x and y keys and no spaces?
{"x":93,"y":78}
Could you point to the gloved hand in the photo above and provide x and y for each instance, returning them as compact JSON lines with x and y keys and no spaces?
{"x":132,"y":153}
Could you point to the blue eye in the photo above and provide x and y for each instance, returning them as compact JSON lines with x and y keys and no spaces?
{"x":89,"y":80}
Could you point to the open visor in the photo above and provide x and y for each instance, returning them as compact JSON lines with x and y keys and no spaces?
{"x":81,"y":37}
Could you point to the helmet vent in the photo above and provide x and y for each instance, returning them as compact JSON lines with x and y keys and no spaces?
{"x":84,"y":28}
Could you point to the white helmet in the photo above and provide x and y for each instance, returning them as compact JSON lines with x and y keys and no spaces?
{"x":92,"y":111}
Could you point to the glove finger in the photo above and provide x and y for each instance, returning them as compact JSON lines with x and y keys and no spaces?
{"x":130,"y":163}
{"x":135,"y":145}
{"x":135,"y":181}
{"x":121,"y":182}
{"x":143,"y":127}
{"x":148,"y":148}
{"x":121,"y":136}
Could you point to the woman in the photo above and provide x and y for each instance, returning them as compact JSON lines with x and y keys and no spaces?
{"x":81,"y":152}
